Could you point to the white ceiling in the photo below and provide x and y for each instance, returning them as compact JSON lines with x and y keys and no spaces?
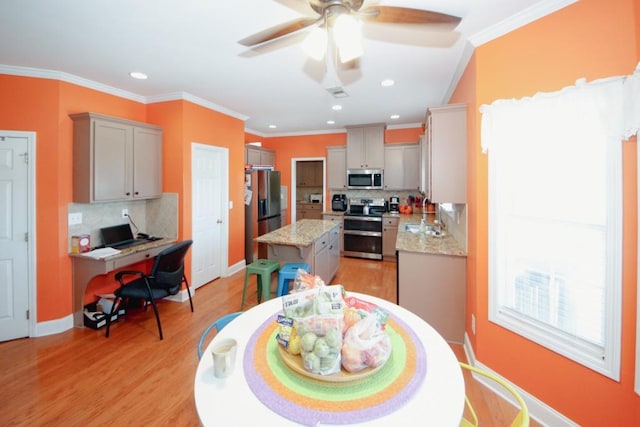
{"x":189,"y":50}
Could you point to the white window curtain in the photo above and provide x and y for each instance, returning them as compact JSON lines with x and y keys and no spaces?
{"x":555,"y":217}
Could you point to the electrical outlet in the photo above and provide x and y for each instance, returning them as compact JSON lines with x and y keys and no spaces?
{"x":75,"y":218}
{"x":473,"y":324}
{"x":125,"y":213}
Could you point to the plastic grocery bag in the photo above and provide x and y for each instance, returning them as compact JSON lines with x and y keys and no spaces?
{"x":365,"y":345}
{"x":318,"y":316}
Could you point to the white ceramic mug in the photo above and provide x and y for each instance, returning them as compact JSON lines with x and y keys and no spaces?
{"x":224,"y":357}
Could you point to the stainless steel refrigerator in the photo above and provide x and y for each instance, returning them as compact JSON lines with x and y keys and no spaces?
{"x":262,"y":207}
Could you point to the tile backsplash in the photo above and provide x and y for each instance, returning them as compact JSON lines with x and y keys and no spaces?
{"x":157,"y":217}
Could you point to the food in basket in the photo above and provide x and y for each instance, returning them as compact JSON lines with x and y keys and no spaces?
{"x":331,"y":331}
{"x":365,"y":345}
{"x":318,"y":314}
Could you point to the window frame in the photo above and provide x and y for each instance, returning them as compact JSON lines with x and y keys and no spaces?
{"x":606,"y":359}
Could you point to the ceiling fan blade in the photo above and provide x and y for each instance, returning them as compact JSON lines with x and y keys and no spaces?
{"x":405,"y":15}
{"x":278,"y":31}
{"x":300,"y":6}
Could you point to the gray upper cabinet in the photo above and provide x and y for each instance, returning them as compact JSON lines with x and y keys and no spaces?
{"x":115,"y":159}
{"x":255,"y":155}
{"x":365,"y":147}
{"x":401,"y":167}
{"x":444,"y":155}
{"x":337,"y":168}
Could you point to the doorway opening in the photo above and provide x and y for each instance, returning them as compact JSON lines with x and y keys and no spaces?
{"x":308,"y":186}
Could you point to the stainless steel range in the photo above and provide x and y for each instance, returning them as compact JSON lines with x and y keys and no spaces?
{"x":363,"y":228}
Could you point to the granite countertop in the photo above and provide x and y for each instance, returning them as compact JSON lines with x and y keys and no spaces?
{"x":302,"y":233}
{"x":412,"y":242}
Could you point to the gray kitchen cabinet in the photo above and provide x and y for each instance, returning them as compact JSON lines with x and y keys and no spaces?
{"x":444,"y":154}
{"x":402,"y":167}
{"x":365,"y":147}
{"x":339,"y":218}
{"x":254,"y":155}
{"x":327,"y":255}
{"x":337,"y":168}
{"x":389,"y":236}
{"x":322,"y":253}
{"x":115,"y":159}
{"x":433,"y":287}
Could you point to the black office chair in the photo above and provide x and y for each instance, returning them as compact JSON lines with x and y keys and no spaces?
{"x":166,"y":278}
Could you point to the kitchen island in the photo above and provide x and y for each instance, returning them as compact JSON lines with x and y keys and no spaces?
{"x":432,"y":277}
{"x":312,"y":241}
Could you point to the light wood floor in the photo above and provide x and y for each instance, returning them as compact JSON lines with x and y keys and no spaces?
{"x":79,"y":377}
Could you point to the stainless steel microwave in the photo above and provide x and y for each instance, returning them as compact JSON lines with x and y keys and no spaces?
{"x":364,"y":179}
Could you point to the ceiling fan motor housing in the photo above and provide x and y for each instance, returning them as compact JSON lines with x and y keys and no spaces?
{"x":321,"y":5}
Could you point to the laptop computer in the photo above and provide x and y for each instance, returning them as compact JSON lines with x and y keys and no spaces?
{"x":119,"y":237}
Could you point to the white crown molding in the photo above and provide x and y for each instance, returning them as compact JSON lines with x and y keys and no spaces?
{"x":327,"y":131}
{"x":69,"y":78}
{"x":518,"y":20}
{"x":406,"y":125}
{"x":79,"y":81}
{"x":503,"y":27}
{"x":301,"y":133}
{"x":185,"y":96}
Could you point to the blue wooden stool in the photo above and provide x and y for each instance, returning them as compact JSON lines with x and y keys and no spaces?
{"x":263,"y":268}
{"x":289,"y":272}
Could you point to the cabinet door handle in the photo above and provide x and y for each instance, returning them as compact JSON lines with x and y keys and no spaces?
{"x":127,"y":193}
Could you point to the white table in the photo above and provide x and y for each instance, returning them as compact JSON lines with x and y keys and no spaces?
{"x":438,"y":401}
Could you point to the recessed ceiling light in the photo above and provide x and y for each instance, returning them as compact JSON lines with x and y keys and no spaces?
{"x":138,"y":75}
{"x":387,"y":82}
{"x":272,"y":126}
{"x":337,"y":107}
{"x":331,"y":122}
{"x":395,"y":116}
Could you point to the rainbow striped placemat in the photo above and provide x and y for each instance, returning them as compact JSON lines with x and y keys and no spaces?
{"x":309,"y":401}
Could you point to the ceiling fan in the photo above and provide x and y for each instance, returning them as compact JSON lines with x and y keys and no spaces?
{"x":343,"y":18}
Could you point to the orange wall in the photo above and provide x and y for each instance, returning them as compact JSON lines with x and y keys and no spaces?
{"x":43,"y":106}
{"x":587,"y":39}
{"x":290,"y":147}
{"x":203,"y":126}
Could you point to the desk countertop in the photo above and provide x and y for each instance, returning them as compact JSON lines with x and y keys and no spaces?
{"x":131,"y":250}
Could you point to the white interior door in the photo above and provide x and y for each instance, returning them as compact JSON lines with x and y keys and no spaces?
{"x":210,"y":197}
{"x":14,"y":234}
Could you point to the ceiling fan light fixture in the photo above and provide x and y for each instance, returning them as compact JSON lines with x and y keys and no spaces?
{"x":347,"y":34}
{"x":315,"y":44}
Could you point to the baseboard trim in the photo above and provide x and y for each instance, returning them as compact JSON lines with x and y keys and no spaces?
{"x":52,"y":327}
{"x":538,"y":410}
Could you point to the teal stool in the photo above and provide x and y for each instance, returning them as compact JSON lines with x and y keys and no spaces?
{"x":263,"y":268}
{"x":289,"y":272}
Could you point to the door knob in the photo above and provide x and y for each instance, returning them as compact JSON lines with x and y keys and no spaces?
{"x":219,"y":221}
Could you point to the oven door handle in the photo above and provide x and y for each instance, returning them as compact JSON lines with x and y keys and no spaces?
{"x":363,"y":233}
{"x":364,"y":218}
